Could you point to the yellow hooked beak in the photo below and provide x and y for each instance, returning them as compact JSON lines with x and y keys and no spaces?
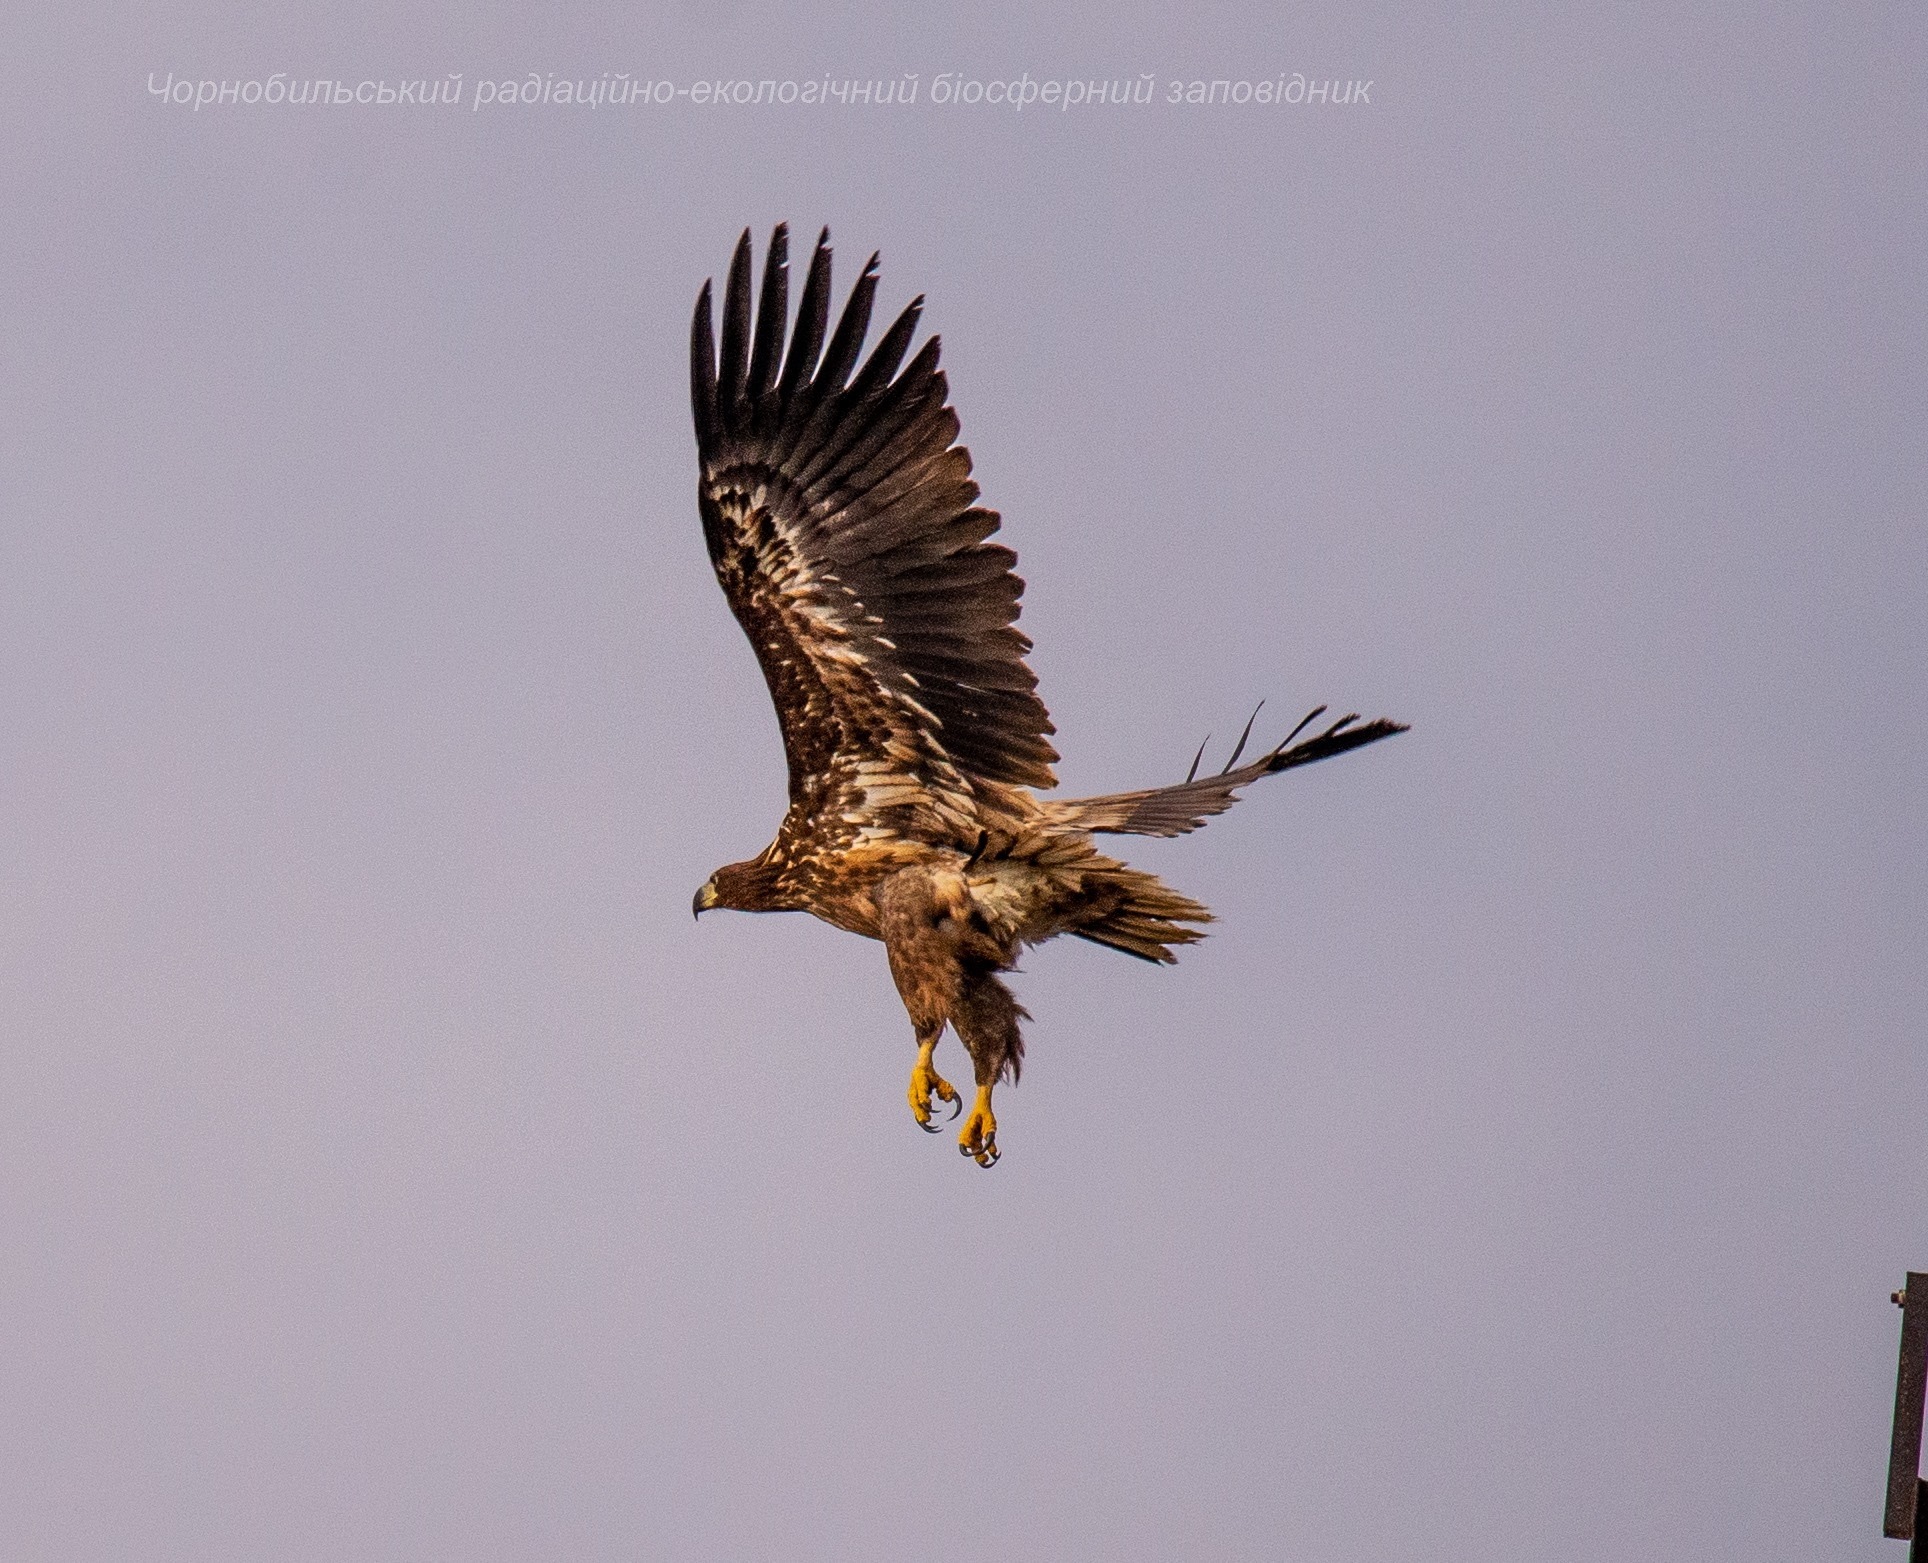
{"x":705,"y":898}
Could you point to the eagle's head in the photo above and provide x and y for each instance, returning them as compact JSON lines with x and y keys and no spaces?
{"x":739,"y":887}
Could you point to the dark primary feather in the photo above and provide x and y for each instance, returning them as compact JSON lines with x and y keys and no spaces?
{"x":840,"y":518}
{"x":1185,"y":806}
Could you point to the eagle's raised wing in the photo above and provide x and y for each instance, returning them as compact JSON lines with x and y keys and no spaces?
{"x":839,"y":519}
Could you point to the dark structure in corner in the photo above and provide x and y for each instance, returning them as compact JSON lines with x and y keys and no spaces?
{"x":1907,"y":1492}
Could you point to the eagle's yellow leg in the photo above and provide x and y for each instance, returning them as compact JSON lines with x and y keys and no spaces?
{"x":925,"y":1082}
{"x":978,"y":1138}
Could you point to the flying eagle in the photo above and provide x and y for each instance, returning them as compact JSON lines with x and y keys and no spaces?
{"x":839,"y":512}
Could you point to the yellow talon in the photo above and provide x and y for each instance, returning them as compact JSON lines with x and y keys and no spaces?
{"x":978,"y":1138}
{"x":925,"y":1082}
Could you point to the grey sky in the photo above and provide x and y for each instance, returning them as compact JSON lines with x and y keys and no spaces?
{"x":390,"y":1170}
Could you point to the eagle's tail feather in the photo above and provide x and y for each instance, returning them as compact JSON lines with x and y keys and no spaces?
{"x":1183,"y":807}
{"x":1145,"y":916}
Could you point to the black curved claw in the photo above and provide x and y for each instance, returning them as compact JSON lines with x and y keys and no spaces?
{"x":957,"y":1106}
{"x":928,"y":1128}
{"x":991,"y":1155}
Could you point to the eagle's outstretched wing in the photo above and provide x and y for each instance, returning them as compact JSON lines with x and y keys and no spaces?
{"x":1184,"y":806}
{"x":839,"y":517}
